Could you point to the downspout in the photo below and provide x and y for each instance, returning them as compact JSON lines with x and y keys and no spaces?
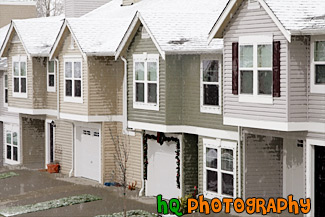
{"x":142,"y":182}
{"x":239,"y":162}
{"x":73,"y":141}
{"x":57,"y":89}
{"x":125,"y":112}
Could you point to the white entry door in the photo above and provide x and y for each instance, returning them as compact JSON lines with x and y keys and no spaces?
{"x":88,"y":153}
{"x":162,"y":170}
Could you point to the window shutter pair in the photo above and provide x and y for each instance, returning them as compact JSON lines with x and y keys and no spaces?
{"x":276,"y":68}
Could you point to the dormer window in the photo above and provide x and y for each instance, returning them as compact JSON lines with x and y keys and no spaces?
{"x":19,"y":74}
{"x":73,"y":80}
{"x":317,"y":74}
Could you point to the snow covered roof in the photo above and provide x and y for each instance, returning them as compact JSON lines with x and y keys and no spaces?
{"x":37,"y":34}
{"x":3,"y":33}
{"x":100,"y":32}
{"x":178,"y":32}
{"x":299,"y":15}
{"x":293,"y":17}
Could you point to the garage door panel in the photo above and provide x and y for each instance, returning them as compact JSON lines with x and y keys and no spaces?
{"x":88,"y":153}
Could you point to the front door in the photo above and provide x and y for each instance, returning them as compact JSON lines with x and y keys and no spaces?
{"x":319,"y":181}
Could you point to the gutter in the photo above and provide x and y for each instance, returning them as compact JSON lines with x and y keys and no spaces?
{"x":73,"y":150}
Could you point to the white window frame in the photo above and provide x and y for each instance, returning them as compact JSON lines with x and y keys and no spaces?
{"x":72,"y":98}
{"x":49,"y":88}
{"x":19,"y":59}
{"x":145,"y":58}
{"x":12,"y":129}
{"x":315,"y":88}
{"x":254,"y":40}
{"x":219,"y":144}
{"x":209,"y":108}
{"x":5,"y":104}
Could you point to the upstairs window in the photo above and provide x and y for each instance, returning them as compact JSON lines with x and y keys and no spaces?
{"x":210,"y":86}
{"x":255,"y":69}
{"x":19,"y":74}
{"x":51,"y":76}
{"x":5,"y":91}
{"x":73,"y":80}
{"x":317,"y":75}
{"x":146,"y":81}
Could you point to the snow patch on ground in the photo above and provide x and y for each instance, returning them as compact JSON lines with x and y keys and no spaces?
{"x":66,"y":201}
{"x":8,"y":175}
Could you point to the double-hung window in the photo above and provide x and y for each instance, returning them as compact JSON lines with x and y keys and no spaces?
{"x":5,"y":89}
{"x":219,"y":168}
{"x":210,"y":86}
{"x":73,"y":80}
{"x":146,"y":81}
{"x":317,"y":75}
{"x":12,"y":148}
{"x":255,"y":69}
{"x":19,"y":74}
{"x":51,"y":76}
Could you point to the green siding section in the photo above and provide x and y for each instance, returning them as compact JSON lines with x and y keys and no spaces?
{"x":139,"y":46}
{"x":190,"y":163}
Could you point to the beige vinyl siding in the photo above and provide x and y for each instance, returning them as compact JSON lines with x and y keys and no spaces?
{"x":316,"y":136}
{"x":299,"y":61}
{"x":139,"y":46}
{"x":66,"y":50}
{"x":77,"y":8}
{"x":51,"y":102}
{"x":253,"y":22}
{"x":39,"y":82}
{"x":4,"y":110}
{"x":183,"y":94}
{"x":16,"y":49}
{"x":63,"y":145}
{"x":105,"y":86}
{"x":109,"y":169}
{"x":33,"y":142}
{"x":15,"y":11}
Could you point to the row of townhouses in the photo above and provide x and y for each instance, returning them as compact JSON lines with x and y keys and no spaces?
{"x":226,"y":95}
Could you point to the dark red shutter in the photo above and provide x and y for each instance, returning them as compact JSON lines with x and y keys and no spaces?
{"x":276,"y":69}
{"x":235,"y":68}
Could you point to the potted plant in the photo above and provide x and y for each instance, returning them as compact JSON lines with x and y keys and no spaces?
{"x":53,"y":167}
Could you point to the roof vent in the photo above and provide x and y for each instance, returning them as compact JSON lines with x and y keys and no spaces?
{"x":253,"y":4}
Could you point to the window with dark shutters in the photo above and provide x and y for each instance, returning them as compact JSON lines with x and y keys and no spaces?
{"x":235,"y":68}
{"x":276,"y":69}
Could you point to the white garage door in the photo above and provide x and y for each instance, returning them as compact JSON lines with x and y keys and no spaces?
{"x":88,"y":153}
{"x":162,"y":171}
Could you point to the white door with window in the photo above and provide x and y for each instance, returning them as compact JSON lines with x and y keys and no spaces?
{"x":88,"y":153}
{"x":162,"y":170}
{"x":11,"y":144}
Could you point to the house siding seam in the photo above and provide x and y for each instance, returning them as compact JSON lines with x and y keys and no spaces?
{"x":190,"y":163}
{"x":253,"y":22}
{"x":68,"y":107}
{"x":139,"y":46}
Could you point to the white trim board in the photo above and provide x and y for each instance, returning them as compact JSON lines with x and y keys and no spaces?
{"x":12,"y":120}
{"x":222,"y":134}
{"x":32,"y":111}
{"x":94,"y":118}
{"x":275,"y":125}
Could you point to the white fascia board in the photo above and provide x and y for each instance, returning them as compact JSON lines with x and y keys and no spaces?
{"x":32,"y":111}
{"x":174,"y":52}
{"x":222,"y":134}
{"x":275,"y":125}
{"x":277,"y":22}
{"x":93,"y":118}
{"x":58,"y":38}
{"x":221,"y":19}
{"x":126,"y":36}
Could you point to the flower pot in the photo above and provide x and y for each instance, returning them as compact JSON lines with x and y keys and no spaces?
{"x":53,"y":168}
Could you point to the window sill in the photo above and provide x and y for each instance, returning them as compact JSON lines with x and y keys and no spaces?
{"x":146,"y":106}
{"x":317,"y":88}
{"x":210,"y":109}
{"x":73,"y":99}
{"x":211,"y":195}
{"x":51,"y":89}
{"x":19,"y":95}
{"x":256,"y":99}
